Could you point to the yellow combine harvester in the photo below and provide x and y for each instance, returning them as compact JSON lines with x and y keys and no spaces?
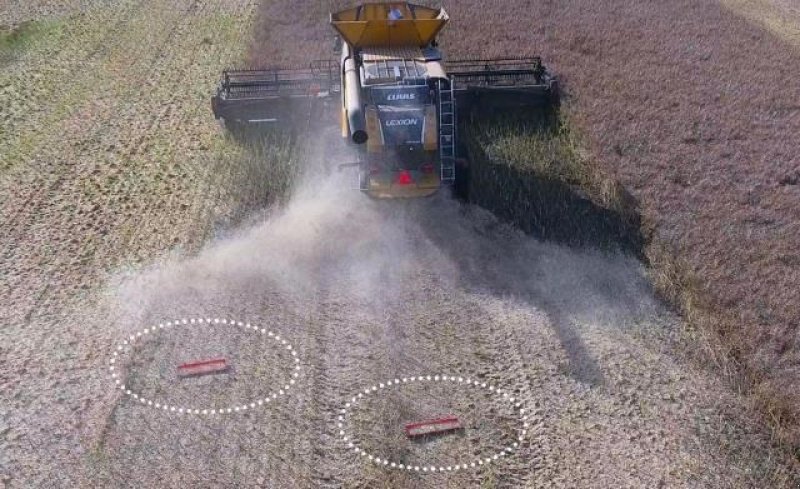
{"x":399,"y":98}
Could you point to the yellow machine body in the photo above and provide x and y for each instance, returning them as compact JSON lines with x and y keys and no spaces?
{"x":389,"y":102}
{"x":377,"y":25}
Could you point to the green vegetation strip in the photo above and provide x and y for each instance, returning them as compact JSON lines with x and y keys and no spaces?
{"x":18,"y":38}
{"x":531,"y":172}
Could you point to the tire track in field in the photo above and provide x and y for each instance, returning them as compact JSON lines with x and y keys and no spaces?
{"x":50,"y":256}
{"x":55,"y":170}
{"x":52,"y":81}
{"x":117,"y":117}
{"x":372,"y":291}
{"x":79,"y":78}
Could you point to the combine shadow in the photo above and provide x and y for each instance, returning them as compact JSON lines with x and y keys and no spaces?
{"x":545,"y":206}
{"x":594,"y":278}
{"x":488,"y":261}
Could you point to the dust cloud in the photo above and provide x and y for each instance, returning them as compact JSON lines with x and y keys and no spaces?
{"x":329,"y":228}
{"x":370,"y":290}
{"x":330,"y":236}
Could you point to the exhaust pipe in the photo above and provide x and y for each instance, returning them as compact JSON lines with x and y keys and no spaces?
{"x":352,"y":99}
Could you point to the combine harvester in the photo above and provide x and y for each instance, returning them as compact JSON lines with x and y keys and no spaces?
{"x":400,"y":100}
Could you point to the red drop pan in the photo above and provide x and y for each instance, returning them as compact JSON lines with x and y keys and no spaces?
{"x":433,"y":426}
{"x":203,"y":367}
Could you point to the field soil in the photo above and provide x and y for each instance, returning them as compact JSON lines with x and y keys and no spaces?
{"x":119,"y":197}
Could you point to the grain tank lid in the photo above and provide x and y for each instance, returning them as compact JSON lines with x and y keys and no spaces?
{"x":389,"y":24}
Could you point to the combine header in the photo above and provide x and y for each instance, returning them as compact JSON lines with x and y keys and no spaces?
{"x":399,"y":98}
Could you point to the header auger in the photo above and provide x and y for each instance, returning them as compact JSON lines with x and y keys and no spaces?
{"x":399,"y":99}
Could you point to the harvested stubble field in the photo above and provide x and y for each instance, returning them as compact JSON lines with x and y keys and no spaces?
{"x":107,"y":158}
{"x":16,"y":12}
{"x":121,"y":163}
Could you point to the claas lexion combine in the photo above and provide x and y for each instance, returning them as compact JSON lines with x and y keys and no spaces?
{"x":400,"y":99}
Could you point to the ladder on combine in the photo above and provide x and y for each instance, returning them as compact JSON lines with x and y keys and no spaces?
{"x":447,"y":131}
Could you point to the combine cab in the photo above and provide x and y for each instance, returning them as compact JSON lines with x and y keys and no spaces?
{"x":398,"y":98}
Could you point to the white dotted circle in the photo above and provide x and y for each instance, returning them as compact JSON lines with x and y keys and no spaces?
{"x":461,"y":381}
{"x":127,"y":344}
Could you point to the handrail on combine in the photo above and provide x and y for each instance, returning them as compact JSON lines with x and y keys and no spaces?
{"x":319,"y":76}
{"x":517,"y":71}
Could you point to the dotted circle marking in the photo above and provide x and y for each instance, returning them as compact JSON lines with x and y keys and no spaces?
{"x":128,"y":343}
{"x":388,"y":464}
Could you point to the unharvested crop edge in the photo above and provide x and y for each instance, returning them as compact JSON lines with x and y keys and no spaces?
{"x":532,"y":172}
{"x":716,"y":342}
